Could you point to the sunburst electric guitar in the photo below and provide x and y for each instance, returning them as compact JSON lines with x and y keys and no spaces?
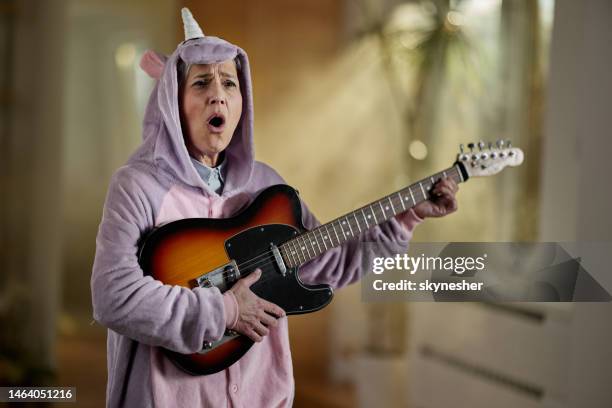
{"x":269,"y":235}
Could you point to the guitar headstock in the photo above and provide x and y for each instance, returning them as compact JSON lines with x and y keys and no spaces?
{"x":491,"y":159}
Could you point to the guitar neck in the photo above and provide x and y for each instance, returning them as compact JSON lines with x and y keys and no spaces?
{"x":313,"y":243}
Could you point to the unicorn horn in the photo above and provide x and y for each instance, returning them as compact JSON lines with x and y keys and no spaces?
{"x":192,"y":29}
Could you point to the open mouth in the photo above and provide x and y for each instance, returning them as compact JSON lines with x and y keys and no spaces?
{"x":216,"y":122}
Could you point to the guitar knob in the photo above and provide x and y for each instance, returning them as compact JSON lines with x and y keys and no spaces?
{"x":208,"y":345}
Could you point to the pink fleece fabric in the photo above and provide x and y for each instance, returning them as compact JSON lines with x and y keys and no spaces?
{"x":157,"y":185}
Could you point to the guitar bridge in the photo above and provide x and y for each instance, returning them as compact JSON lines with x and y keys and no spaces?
{"x":222,"y":277}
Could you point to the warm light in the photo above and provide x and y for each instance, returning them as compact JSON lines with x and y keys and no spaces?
{"x":418,"y":150}
{"x":410,"y":40}
{"x":455,"y":18}
{"x":125,"y":55}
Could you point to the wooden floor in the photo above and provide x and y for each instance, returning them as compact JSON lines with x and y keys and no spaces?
{"x":81,"y":362}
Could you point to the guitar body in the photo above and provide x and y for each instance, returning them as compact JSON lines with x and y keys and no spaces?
{"x":217,"y":252}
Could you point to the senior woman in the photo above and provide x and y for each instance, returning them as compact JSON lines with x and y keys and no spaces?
{"x":196,"y":160}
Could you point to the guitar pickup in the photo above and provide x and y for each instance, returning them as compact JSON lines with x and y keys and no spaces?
{"x":279,"y":259}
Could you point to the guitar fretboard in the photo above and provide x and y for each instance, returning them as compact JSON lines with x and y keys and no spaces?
{"x":313,"y":243}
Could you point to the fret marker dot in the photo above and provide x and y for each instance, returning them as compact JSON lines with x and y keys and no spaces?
{"x":387,"y":207}
{"x":303,"y":248}
{"x":369,"y":216}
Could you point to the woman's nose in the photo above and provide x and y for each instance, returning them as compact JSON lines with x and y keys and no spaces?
{"x":216,"y":100}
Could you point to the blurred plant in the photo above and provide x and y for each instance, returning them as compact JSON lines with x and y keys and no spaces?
{"x":421,"y":43}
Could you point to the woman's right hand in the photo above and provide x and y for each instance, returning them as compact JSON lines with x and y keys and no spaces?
{"x":255,"y":315}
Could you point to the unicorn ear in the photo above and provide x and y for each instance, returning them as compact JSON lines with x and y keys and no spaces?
{"x":153,"y":64}
{"x":192,"y":29}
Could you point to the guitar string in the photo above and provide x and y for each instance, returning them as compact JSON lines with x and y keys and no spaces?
{"x":337,"y":221}
{"x":253,"y":262}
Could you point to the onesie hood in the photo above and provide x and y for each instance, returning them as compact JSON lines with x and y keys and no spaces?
{"x":163,"y":142}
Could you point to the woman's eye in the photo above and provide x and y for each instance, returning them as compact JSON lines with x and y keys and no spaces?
{"x":230,"y":83}
{"x":200,"y":84}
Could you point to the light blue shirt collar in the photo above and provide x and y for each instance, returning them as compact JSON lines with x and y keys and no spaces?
{"x":214,"y":177}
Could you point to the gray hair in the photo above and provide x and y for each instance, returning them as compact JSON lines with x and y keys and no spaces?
{"x":183,"y":69}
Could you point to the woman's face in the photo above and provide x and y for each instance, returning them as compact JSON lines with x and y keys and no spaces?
{"x":210,"y":108}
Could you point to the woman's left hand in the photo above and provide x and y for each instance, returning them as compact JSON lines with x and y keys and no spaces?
{"x":442,"y":201}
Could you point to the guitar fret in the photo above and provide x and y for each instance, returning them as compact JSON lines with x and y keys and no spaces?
{"x":328,"y":236}
{"x":291,"y":251}
{"x":291,"y":255}
{"x":401,"y":201}
{"x":317,"y":241}
{"x":304,"y":245}
{"x":342,"y":229}
{"x":444,"y":174}
{"x":357,"y":221}
{"x":383,"y":210}
{"x":364,"y":218}
{"x":337,"y":238}
{"x":372,"y":211}
{"x":321,"y":236}
{"x":338,"y":242}
{"x":412,"y":196}
{"x":392,"y":207}
{"x":349,"y":224}
{"x":297,"y":251}
{"x":424,"y":195}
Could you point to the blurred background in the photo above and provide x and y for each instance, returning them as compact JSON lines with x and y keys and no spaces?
{"x":354,"y":99}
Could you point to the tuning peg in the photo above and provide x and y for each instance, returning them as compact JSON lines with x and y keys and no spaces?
{"x":481,"y":145}
{"x":509,"y":144}
{"x":500,"y":144}
{"x":493,"y":154}
{"x":471,"y":146}
{"x":461,"y":148}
